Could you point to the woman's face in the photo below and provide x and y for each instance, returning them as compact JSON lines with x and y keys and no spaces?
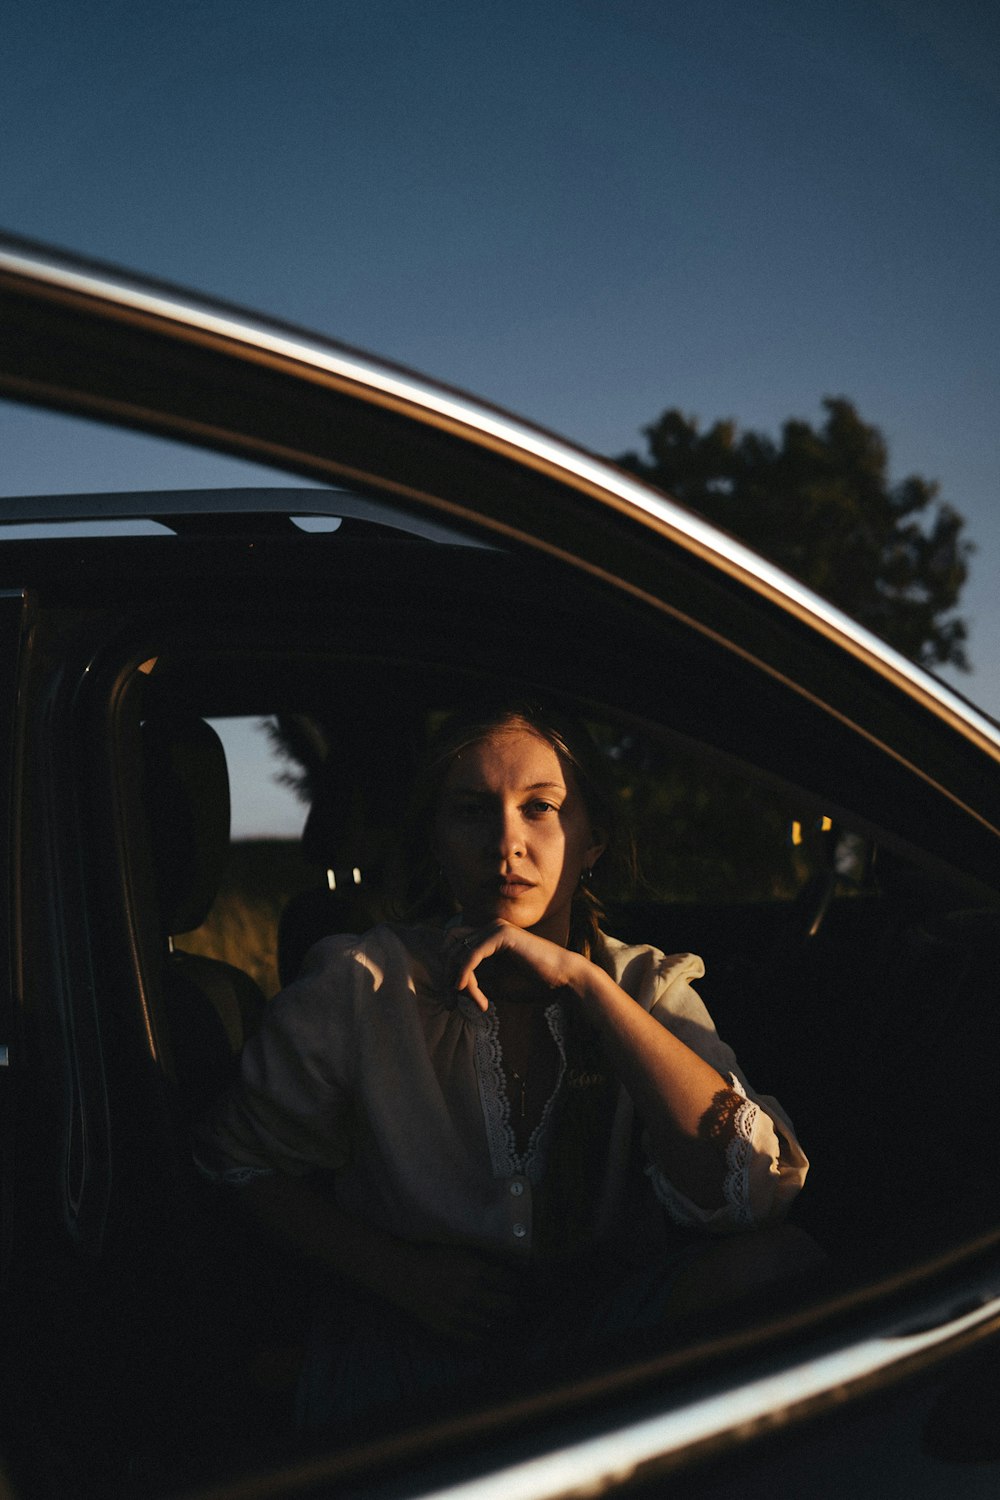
{"x":513,"y":834}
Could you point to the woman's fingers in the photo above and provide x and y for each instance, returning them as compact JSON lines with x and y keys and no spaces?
{"x":467,"y":947}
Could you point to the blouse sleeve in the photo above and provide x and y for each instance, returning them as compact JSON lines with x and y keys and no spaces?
{"x":765,"y":1165}
{"x":289,"y":1110}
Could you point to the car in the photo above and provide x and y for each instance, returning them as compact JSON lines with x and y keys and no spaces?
{"x":818,"y":817}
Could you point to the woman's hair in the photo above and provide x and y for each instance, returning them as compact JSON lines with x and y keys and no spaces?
{"x":423,"y":892}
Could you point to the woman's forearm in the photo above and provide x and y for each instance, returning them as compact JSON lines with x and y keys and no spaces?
{"x":675,"y":1092}
{"x":292,"y":1211}
{"x":450,"y":1289}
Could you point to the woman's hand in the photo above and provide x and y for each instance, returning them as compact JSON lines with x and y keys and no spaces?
{"x":454,"y":1291}
{"x":459,"y":1293}
{"x":536,"y":957}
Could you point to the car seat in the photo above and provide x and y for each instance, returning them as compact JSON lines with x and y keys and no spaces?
{"x":211,"y":1006}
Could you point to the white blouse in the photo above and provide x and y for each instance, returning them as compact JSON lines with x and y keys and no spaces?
{"x":370,"y":1067}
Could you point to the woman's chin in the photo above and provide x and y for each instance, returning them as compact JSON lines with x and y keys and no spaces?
{"x":484,"y":916}
{"x":520,"y":911}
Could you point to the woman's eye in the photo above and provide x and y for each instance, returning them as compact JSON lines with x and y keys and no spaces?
{"x":540,"y":807}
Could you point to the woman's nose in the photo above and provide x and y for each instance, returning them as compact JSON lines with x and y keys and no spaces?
{"x":506,"y":835}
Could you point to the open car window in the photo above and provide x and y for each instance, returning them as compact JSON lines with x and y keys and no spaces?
{"x":825,"y":948}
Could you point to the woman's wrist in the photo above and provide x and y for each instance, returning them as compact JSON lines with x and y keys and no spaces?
{"x":591,"y":985}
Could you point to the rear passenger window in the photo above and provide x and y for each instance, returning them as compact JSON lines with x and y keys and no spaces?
{"x":266,"y":866}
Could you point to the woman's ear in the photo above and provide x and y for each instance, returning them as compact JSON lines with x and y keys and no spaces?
{"x":596,"y":849}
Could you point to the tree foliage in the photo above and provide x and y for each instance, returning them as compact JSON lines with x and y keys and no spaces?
{"x":820,"y":504}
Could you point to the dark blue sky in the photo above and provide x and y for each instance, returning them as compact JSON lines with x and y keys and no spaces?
{"x":583,"y":211}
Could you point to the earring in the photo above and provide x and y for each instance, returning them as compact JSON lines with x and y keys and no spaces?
{"x":586,"y":874}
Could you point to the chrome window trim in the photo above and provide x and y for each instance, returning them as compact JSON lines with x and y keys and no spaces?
{"x":599,"y":1464}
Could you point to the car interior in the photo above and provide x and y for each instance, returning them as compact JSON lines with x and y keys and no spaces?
{"x":846,"y":948}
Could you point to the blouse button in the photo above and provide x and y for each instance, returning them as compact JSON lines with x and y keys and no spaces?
{"x":520,"y":1230}
{"x":516,"y":1189}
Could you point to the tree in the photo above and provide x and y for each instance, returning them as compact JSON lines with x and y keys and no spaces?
{"x":821,"y":506}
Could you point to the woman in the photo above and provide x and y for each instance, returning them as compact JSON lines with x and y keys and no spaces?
{"x":523,"y":1120}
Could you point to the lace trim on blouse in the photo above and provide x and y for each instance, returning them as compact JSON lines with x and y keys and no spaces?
{"x":736,"y":1183}
{"x":505,"y":1159}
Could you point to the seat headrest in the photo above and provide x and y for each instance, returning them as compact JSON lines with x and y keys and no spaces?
{"x":187,"y":800}
{"x":358,"y":796}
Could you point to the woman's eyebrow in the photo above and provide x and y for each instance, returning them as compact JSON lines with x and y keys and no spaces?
{"x":472,"y":789}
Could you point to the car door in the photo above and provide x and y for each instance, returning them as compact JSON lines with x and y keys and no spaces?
{"x":762,"y":671}
{"x":13,"y":612}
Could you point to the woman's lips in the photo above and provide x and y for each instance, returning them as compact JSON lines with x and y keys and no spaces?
{"x":511,"y":886}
